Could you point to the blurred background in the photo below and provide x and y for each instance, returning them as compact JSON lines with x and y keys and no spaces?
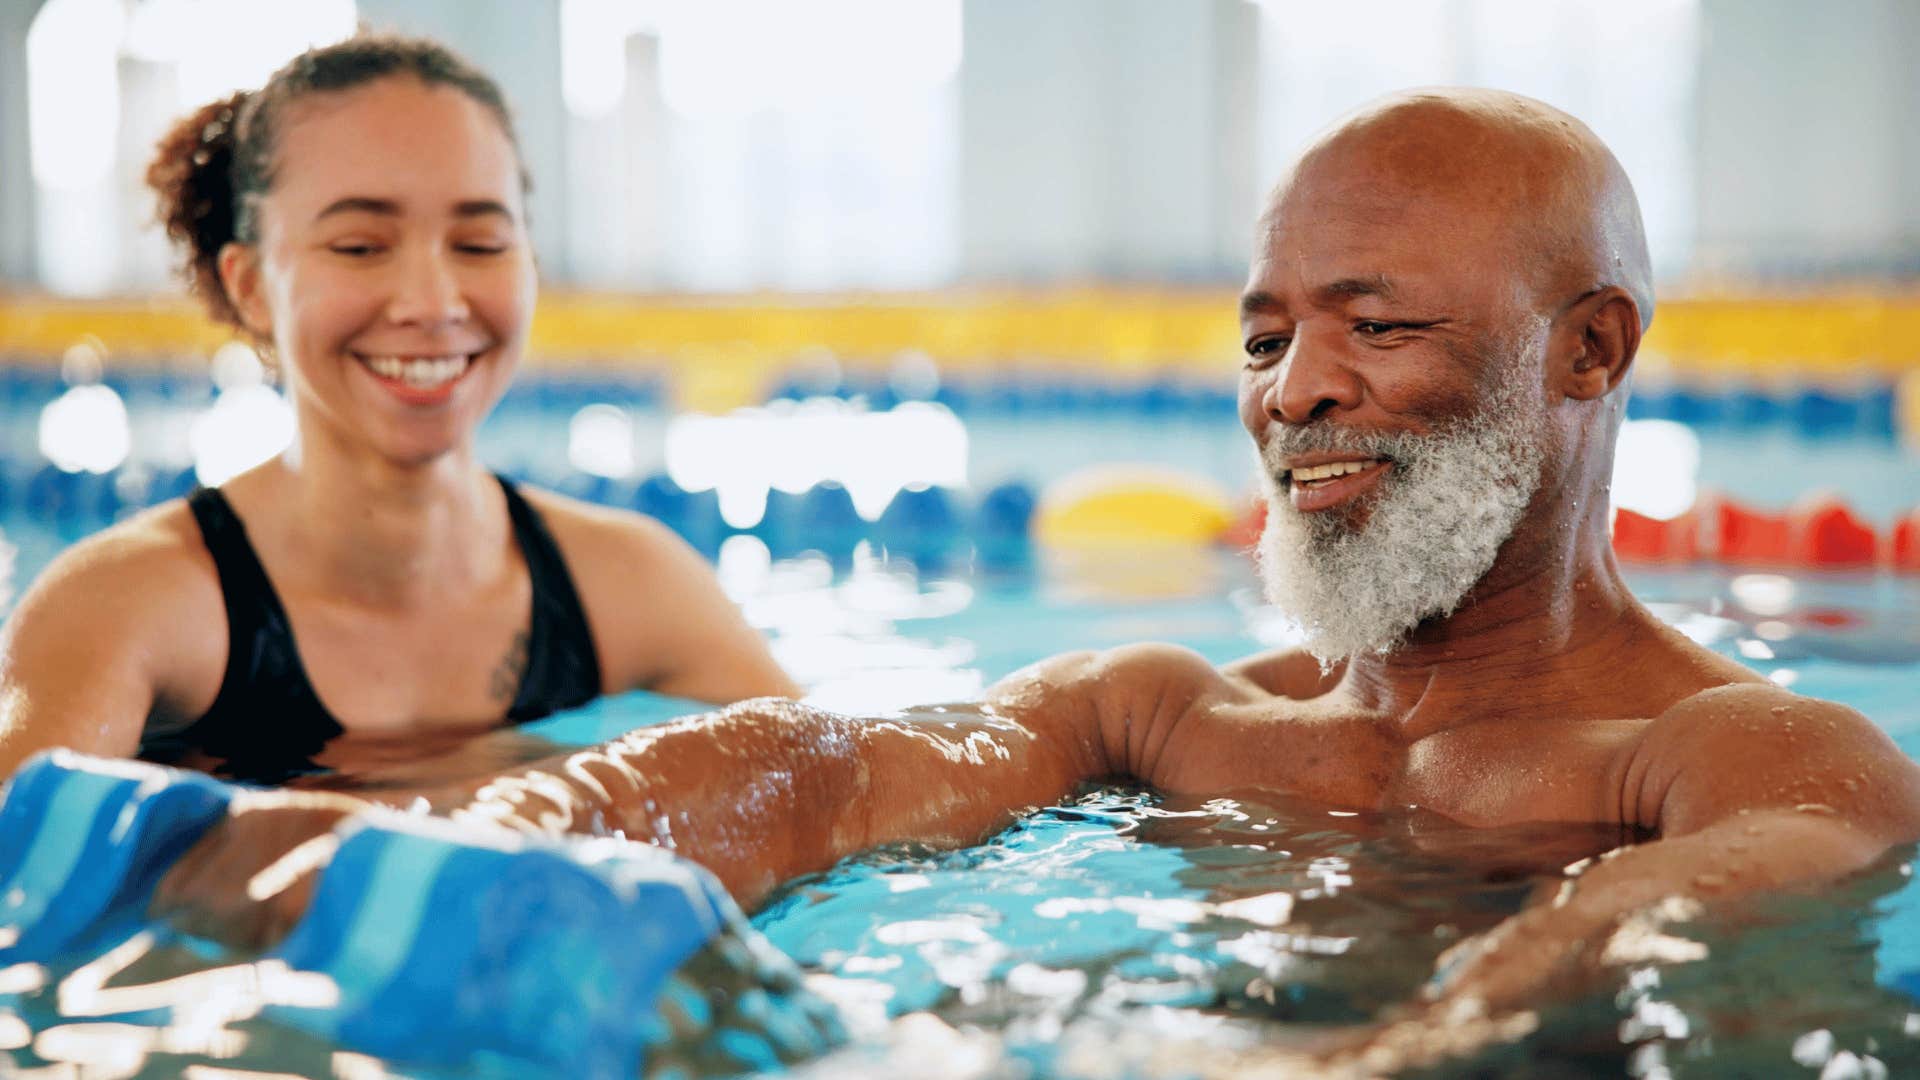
{"x":928,"y":279}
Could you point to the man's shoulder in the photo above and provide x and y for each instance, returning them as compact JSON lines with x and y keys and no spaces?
{"x":1758,"y":707}
{"x":1758,"y":746}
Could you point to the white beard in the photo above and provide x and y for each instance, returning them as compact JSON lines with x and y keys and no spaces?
{"x":1447,"y":503}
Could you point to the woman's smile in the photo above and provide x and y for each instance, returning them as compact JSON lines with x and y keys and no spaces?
{"x":419,"y":379}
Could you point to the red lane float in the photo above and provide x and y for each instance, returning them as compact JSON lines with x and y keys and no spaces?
{"x":1825,"y":533}
{"x":1639,"y":538}
{"x":1820,"y":532}
{"x":1905,"y":555}
{"x":1743,"y":536}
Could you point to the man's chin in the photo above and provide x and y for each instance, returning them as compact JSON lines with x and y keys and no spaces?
{"x":1351,"y":594}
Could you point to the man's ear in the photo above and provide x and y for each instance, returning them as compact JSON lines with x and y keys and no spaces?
{"x":1605,"y":328}
{"x":240,"y":276}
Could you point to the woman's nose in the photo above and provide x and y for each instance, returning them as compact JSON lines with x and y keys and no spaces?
{"x":427,"y":292}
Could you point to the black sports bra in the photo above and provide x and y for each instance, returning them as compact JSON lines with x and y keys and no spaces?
{"x":266,"y":723}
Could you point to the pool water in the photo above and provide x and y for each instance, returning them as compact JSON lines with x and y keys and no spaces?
{"x":1124,"y":933}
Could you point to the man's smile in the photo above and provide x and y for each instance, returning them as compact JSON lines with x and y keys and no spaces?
{"x":1329,"y":483}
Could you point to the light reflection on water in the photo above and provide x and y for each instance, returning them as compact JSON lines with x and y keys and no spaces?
{"x":1125,"y":934}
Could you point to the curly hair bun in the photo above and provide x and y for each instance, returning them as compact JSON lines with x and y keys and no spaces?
{"x":192,"y":173}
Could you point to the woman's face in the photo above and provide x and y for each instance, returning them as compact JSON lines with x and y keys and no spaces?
{"x":393,"y":271}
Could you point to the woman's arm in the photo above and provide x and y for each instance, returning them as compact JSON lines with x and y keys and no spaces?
{"x":118,"y":627}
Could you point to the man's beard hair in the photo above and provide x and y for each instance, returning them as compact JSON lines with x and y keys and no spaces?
{"x":1447,"y":503}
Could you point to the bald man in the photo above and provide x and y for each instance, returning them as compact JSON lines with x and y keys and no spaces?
{"x":1444,"y":305}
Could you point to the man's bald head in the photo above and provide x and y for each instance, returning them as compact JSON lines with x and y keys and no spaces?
{"x":1512,"y":178}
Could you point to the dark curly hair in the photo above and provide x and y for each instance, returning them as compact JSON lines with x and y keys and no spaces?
{"x":211,"y":168}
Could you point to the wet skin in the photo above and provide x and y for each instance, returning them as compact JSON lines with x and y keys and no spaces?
{"x":1406,"y":246}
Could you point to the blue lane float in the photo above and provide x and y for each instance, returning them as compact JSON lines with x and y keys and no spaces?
{"x":1814,"y":412}
{"x":54,"y":494}
{"x":922,"y":523}
{"x":1809,"y":408}
{"x":1003,"y":524}
{"x":450,"y":946}
{"x":822,"y":518}
{"x":695,"y":515}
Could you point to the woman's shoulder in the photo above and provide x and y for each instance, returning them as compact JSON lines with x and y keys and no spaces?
{"x":120,"y":624}
{"x":156,"y":554}
{"x":143,"y":592}
{"x":659,"y":615}
{"x":601,"y":541}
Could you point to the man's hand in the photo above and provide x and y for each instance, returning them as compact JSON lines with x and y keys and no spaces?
{"x":249,"y":879}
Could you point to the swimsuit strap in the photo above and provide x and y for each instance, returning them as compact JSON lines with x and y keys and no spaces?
{"x":563,"y":669}
{"x":266,"y":723}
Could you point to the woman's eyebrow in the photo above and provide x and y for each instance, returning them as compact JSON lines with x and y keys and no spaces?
{"x":467,"y":208}
{"x":359,"y":204}
{"x":365,"y":204}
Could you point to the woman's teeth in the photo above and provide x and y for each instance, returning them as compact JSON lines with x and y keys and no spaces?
{"x":421,"y":373}
{"x":1321,"y":473}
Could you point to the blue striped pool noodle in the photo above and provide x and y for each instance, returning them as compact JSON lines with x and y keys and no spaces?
{"x":83,"y":842}
{"x":450,"y":943}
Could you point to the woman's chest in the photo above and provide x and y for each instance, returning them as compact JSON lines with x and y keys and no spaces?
{"x":452,"y":664}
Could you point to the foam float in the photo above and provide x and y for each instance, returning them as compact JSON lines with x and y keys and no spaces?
{"x":1132,"y":505}
{"x":448,"y":945}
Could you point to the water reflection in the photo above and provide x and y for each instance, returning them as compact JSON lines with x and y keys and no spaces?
{"x":1127,"y":935}
{"x":1146,"y":936}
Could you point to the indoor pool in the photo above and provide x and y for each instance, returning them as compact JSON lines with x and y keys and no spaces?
{"x":1128,"y":934}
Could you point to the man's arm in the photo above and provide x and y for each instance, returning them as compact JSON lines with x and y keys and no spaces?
{"x":769,"y":789}
{"x":758,"y":793}
{"x":1750,"y":790}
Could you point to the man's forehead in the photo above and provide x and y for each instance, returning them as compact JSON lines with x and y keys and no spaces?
{"x":1350,"y":196}
{"x":1389,"y":247}
{"x":1327,"y":228}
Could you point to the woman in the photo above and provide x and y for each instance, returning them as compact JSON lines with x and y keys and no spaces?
{"x":362,"y":219}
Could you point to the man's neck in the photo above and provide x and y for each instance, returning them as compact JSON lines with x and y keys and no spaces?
{"x":1538,"y":633}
